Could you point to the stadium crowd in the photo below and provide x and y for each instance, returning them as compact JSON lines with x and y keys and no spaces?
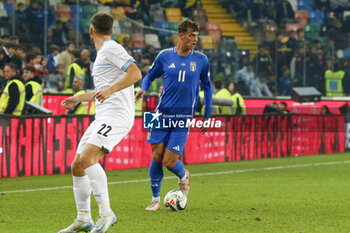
{"x":290,"y":51}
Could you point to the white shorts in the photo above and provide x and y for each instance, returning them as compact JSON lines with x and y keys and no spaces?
{"x":105,"y":133}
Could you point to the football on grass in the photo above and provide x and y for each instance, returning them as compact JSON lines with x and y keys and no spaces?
{"x":175,"y":200}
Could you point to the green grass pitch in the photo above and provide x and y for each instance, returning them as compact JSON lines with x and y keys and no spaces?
{"x":298,"y":194}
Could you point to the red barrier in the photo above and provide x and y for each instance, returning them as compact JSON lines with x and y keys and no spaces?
{"x":46,"y":145}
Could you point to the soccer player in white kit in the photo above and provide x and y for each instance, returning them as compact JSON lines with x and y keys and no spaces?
{"x":114,"y":74}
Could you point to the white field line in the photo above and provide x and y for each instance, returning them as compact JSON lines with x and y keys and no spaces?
{"x":198,"y":174}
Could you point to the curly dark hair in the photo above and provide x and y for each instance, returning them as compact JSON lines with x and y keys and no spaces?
{"x":188,"y":24}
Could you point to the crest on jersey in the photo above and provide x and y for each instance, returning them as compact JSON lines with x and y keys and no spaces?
{"x":193,"y":66}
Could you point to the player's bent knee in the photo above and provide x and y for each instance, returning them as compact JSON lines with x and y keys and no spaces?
{"x":156,"y":157}
{"x":169,"y":163}
{"x":76,"y":167}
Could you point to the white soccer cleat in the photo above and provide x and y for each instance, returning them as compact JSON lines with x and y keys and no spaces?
{"x":184,"y":186}
{"x":78,"y":226}
{"x":104,"y":222}
{"x":153,"y":206}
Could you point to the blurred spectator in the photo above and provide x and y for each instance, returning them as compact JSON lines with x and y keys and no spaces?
{"x":272,"y":109}
{"x":272,"y":82}
{"x":49,"y":38}
{"x":31,"y":20}
{"x":43,"y":69}
{"x":346,"y":79}
{"x":61,"y":89}
{"x":262,"y":61}
{"x":301,"y":34}
{"x":16,"y":59}
{"x":330,"y":49}
{"x":20,"y":12}
{"x":13,"y":97}
{"x":284,"y":12}
{"x":334,"y":81}
{"x":15,"y":40}
{"x":3,"y":81}
{"x":283,"y":107}
{"x":51,"y":63}
{"x":75,"y":69}
{"x":325,"y":110}
{"x":323,"y":5}
{"x":292,"y":42}
{"x":298,"y":69}
{"x":59,"y":70}
{"x":34,"y":92}
{"x":314,"y":70}
{"x":5,"y":39}
{"x":259,"y":86}
{"x":244,"y":78}
{"x":239,"y":107}
{"x":126,"y":42}
{"x":77,"y":85}
{"x":274,"y":45}
{"x":243,"y":61}
{"x":301,"y":37}
{"x":50,"y":17}
{"x":21,"y":53}
{"x":145,"y":63}
{"x":285,"y":83}
{"x":59,"y":37}
{"x":21,"y":23}
{"x":66,"y":57}
{"x":222,"y":93}
{"x":33,"y":60}
{"x":71,"y":34}
{"x":336,"y":34}
{"x":150,"y":49}
{"x":137,"y":57}
{"x":284,"y":57}
{"x":8,"y":50}
{"x":88,"y":66}
{"x":259,"y":12}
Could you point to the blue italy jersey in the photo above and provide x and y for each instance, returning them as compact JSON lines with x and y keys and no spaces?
{"x":181,"y":81}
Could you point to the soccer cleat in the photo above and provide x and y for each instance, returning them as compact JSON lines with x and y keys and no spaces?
{"x":184,"y":186}
{"x":78,"y":226}
{"x":153,"y":206}
{"x":104,"y":222}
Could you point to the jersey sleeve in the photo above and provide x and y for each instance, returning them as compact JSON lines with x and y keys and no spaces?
{"x":207,"y":88}
{"x":154,"y":72}
{"x":119,"y":57}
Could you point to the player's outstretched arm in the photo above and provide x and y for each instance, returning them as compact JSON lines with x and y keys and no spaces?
{"x":133,"y":74}
{"x":70,"y":102}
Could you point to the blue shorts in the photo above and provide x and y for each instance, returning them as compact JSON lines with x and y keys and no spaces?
{"x":173,"y":137}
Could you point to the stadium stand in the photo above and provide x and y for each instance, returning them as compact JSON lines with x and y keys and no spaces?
{"x":227,"y":31}
{"x":173,"y":15}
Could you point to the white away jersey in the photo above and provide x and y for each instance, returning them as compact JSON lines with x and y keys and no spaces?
{"x":109,"y":67}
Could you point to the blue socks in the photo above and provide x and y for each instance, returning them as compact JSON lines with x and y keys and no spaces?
{"x":179,"y":169}
{"x":156,"y":176}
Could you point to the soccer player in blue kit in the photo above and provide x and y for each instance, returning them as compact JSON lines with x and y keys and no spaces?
{"x":183,"y":69}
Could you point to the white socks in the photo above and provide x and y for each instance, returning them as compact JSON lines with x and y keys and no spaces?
{"x":98,"y":182}
{"x":82,"y":193}
{"x":156,"y":199}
